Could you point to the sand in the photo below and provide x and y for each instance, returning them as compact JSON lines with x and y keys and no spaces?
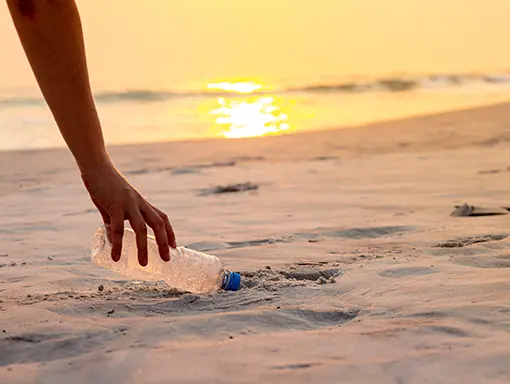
{"x":354,"y":270}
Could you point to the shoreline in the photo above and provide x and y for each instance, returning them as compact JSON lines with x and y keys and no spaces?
{"x":335,"y":131}
{"x":338,"y":132}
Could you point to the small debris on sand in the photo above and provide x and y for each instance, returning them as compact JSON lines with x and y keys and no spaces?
{"x":230,"y":188}
{"x":466,"y":210}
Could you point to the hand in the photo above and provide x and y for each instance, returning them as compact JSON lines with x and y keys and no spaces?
{"x":117,"y":200}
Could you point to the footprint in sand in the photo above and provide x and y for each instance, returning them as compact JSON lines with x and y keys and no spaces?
{"x":466,"y":241}
{"x":295,"y":366}
{"x":312,"y":236}
{"x":355,"y":233}
{"x":208,"y":246}
{"x":501,"y":260}
{"x":407,"y":271}
{"x":485,"y":256}
{"x":45,"y":347}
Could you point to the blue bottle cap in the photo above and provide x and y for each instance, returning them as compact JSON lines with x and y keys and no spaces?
{"x":233,"y":282}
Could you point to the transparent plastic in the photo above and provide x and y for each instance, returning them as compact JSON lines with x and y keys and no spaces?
{"x":187,"y":270}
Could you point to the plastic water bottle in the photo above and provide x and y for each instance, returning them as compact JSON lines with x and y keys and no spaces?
{"x":187,"y":270}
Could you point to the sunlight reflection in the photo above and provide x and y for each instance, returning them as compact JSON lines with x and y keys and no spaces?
{"x":247,"y":116}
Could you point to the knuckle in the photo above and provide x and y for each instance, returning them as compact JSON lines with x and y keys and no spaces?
{"x":159,"y":223}
{"x":118,"y":231}
{"x":142,"y":233}
{"x":162,"y":242}
{"x":141,"y":229}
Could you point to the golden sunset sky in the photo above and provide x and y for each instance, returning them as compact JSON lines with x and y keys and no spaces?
{"x":172,"y":44}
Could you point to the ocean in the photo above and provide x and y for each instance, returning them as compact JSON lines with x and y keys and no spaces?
{"x":246,"y":109}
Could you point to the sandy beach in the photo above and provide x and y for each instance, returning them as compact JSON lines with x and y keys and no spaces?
{"x":354,"y":271}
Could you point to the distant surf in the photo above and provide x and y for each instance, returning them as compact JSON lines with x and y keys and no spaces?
{"x":381,"y":85}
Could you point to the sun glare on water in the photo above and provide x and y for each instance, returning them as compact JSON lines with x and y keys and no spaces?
{"x":245,"y":115}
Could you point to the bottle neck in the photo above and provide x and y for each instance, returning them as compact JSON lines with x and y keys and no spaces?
{"x":225,"y":279}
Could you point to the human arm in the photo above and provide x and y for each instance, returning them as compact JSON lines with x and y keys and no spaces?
{"x":51,"y":34}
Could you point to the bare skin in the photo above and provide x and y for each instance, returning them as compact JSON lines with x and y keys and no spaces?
{"x":51,"y":34}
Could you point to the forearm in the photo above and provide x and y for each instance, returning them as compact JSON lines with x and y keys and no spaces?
{"x":51,"y":34}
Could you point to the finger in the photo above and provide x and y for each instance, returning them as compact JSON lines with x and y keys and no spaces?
{"x":138,"y":224}
{"x":117,"y":233}
{"x":106,"y":220}
{"x":154,"y":221}
{"x":168,"y":227}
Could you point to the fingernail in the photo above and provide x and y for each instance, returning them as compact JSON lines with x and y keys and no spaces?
{"x":144,"y":261}
{"x":116,"y":257}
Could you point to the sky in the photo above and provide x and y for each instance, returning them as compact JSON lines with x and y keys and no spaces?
{"x":174,"y":44}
